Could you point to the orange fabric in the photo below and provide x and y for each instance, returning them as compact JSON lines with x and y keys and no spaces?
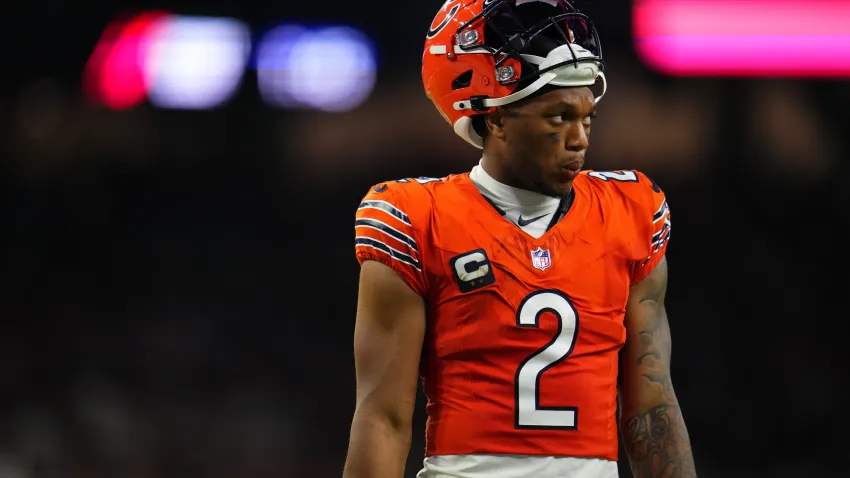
{"x":385,"y":233}
{"x":521,"y":359}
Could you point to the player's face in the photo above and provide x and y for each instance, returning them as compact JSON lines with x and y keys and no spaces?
{"x":546,"y":139}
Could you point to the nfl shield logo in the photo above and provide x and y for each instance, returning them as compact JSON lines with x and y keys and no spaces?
{"x":541,"y":259}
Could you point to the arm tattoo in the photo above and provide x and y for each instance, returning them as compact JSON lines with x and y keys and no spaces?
{"x":653,"y":428}
{"x":658,"y":443}
{"x":656,"y":284}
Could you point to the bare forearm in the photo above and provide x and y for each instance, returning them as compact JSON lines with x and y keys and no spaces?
{"x":657,"y":443}
{"x":377,"y":448}
{"x":653,"y":429}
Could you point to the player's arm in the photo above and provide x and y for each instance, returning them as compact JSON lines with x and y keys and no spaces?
{"x":653,"y":428}
{"x":388,"y":335}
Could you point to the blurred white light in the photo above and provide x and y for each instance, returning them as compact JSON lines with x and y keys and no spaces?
{"x":195,"y":62}
{"x":331,"y":69}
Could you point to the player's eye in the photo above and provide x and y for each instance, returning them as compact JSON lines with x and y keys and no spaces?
{"x":562,"y":118}
{"x":559,"y":118}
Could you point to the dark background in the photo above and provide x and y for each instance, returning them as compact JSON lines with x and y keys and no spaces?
{"x":180,"y":286}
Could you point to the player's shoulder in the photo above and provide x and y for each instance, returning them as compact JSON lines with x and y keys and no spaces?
{"x":414,"y":187}
{"x":413,"y":199}
{"x":419,"y":192}
{"x":629,"y":187}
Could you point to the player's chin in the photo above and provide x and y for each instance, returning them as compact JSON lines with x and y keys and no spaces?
{"x":558,"y":186}
{"x":564,"y":177}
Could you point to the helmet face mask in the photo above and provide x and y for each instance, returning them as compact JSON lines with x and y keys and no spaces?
{"x":508,"y":34}
{"x":480,"y":54}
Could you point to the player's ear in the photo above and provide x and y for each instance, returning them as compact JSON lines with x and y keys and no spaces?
{"x":496,"y":123}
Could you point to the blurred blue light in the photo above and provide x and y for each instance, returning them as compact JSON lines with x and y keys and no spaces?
{"x":273,"y":64}
{"x":330,"y":69}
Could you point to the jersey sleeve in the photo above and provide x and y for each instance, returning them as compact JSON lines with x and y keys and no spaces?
{"x":654,"y":225}
{"x":384,"y":232}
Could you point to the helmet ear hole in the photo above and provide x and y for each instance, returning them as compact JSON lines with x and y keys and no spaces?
{"x":462,"y":81}
{"x":479,"y":125}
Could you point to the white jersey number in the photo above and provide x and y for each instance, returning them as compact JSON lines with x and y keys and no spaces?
{"x":622,"y":176}
{"x":529,"y":413}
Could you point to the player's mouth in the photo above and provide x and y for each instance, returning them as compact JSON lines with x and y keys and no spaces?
{"x":569,"y":171}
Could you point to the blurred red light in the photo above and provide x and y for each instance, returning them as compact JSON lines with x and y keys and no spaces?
{"x":114,"y":74}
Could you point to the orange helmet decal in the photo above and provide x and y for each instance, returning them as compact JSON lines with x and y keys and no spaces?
{"x":445,"y":15}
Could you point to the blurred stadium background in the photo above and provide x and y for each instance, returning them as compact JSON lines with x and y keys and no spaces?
{"x":179,"y":184}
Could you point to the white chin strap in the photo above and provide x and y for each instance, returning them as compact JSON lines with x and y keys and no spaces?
{"x":583,"y":73}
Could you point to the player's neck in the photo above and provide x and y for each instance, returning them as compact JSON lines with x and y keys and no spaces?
{"x":504,"y":177}
{"x":497,"y":173}
{"x":531,"y":211}
{"x":506,"y":193}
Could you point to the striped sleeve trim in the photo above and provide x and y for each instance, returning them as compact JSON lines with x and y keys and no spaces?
{"x":382,"y":226}
{"x":364,"y":241}
{"x":385,"y":228}
{"x":662,"y":235}
{"x":387,"y":208}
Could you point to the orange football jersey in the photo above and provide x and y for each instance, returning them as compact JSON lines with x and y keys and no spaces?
{"x":523,"y":334}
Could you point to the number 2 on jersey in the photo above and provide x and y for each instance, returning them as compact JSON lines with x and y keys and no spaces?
{"x":622,"y":176}
{"x":528,"y":412}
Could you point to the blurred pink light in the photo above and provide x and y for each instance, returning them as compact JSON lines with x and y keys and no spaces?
{"x":114,"y":75}
{"x":744,"y":38}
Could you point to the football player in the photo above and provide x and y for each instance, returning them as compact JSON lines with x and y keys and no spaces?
{"x":528,"y":293}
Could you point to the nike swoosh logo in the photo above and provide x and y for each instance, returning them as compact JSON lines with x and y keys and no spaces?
{"x":524,"y":222}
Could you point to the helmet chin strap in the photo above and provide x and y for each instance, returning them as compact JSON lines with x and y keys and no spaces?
{"x":583,"y":73}
{"x":572,"y":74}
{"x":549,"y":78}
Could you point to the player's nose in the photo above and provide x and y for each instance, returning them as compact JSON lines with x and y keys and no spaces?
{"x":577,"y":138}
